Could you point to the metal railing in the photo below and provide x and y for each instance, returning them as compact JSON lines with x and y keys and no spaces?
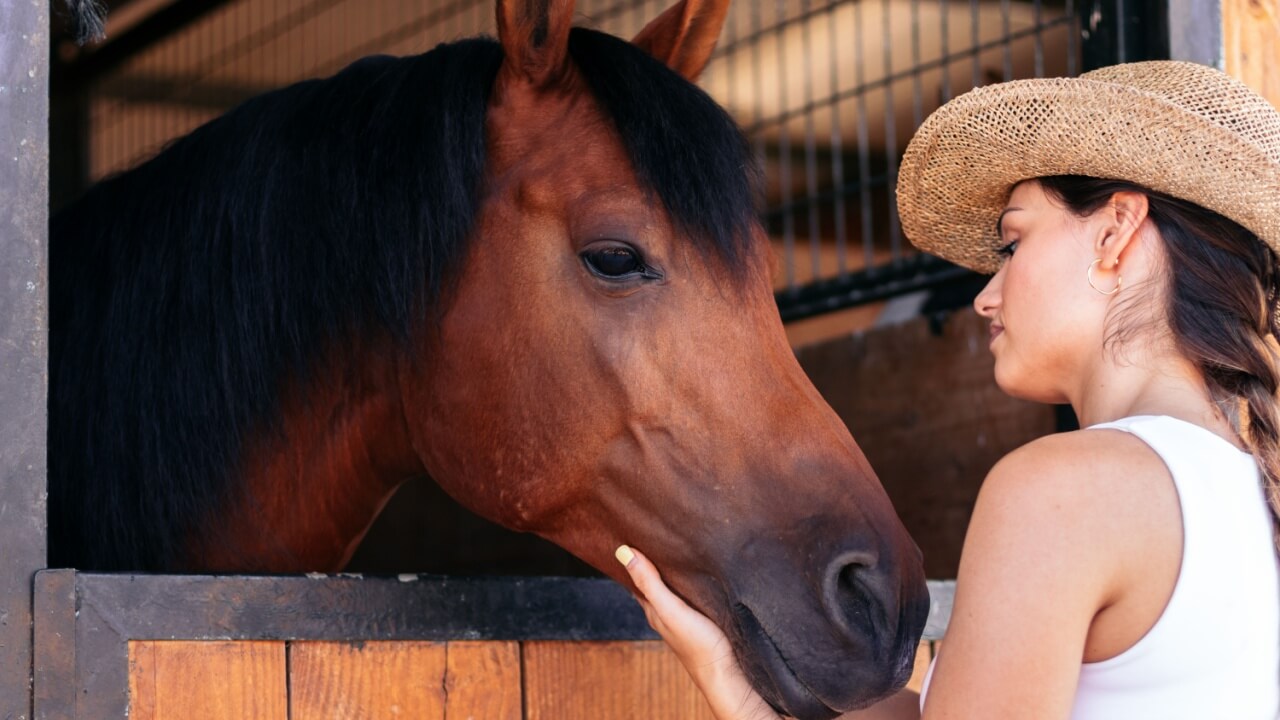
{"x":828,"y":93}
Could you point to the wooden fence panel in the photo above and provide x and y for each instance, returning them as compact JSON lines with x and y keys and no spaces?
{"x":386,"y":680}
{"x":366,"y":680}
{"x":207,"y":680}
{"x":483,"y":681}
{"x":616,"y":680}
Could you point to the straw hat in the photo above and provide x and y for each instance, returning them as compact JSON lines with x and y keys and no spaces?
{"x":1179,"y":128}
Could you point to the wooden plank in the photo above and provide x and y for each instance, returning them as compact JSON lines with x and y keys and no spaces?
{"x":482,"y":681}
{"x":142,"y":680}
{"x":207,"y":680}
{"x":366,"y":680}
{"x":614,"y":680}
{"x":1251,"y":44}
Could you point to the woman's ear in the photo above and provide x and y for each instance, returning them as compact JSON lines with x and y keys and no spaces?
{"x":1122,"y":217}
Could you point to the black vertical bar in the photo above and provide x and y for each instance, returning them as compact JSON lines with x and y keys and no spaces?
{"x":69,"y":132}
{"x":891,"y":137}
{"x":24,"y":185}
{"x":810,"y":149}
{"x":784,"y":148}
{"x":839,"y":192}
{"x":1118,"y":31}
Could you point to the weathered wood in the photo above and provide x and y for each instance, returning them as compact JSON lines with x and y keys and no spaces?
{"x":55,"y":645}
{"x":354,"y":608}
{"x":483,"y":681}
{"x":114,"y":609}
{"x":24,"y":171}
{"x":366,"y":680}
{"x":209,"y":680}
{"x":920,"y":400}
{"x":619,"y":681}
{"x":1251,"y":44}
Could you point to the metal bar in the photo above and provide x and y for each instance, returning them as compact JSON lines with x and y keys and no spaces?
{"x":975,"y":40}
{"x":759,"y":33}
{"x":864,"y":159}
{"x":916,"y":272}
{"x":24,"y":176}
{"x":837,"y":155}
{"x":784,"y":153}
{"x":1073,"y":36}
{"x":942,"y":62}
{"x":1006,"y":9}
{"x":811,"y":156}
{"x":944,"y":43}
{"x":1037,"y":9}
{"x":891,"y":139}
{"x":917,"y":82}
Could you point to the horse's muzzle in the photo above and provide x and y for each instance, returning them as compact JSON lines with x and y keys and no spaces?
{"x":834,"y":642}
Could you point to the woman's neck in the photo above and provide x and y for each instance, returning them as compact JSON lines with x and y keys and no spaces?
{"x":1158,"y":384}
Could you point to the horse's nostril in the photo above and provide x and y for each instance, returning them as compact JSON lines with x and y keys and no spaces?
{"x":854,"y":594}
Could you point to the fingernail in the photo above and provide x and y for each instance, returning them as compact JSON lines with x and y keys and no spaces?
{"x":625,"y":555}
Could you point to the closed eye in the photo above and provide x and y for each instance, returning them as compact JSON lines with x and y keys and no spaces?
{"x":1007,"y":251}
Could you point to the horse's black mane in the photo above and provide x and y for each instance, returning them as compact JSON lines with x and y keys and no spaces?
{"x":185,"y":291}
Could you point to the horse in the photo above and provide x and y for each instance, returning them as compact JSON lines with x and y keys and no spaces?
{"x":530,"y":269}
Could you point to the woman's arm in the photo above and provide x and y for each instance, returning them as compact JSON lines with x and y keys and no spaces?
{"x":1052,"y":542}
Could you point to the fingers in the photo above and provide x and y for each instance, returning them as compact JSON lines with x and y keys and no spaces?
{"x":699,"y":644}
{"x":650,"y":583}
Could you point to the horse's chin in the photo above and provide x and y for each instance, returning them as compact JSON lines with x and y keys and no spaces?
{"x":769,"y":671}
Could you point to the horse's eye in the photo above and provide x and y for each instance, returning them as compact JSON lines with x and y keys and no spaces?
{"x":614,"y":261}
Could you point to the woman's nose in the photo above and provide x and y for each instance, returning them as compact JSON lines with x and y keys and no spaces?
{"x":988,"y":301}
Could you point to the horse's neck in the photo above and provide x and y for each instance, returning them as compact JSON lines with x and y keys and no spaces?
{"x":312,"y":490}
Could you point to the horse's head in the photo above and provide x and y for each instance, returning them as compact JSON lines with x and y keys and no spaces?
{"x":611,"y":366}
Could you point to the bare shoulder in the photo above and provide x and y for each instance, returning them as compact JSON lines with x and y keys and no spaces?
{"x":1051,"y":543}
{"x":1100,"y":472}
{"x":1096,"y":500}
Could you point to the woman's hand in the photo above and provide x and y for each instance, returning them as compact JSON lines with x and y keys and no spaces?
{"x":702,"y":648}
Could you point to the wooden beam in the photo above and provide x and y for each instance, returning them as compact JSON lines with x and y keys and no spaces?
{"x":24,"y":172}
{"x":1251,"y":41}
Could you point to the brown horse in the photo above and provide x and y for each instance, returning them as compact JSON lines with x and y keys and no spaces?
{"x":531,"y":271}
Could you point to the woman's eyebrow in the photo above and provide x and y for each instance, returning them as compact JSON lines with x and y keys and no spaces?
{"x":1000,"y":219}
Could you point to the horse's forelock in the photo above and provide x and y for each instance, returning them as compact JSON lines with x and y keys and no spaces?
{"x":685,"y":148}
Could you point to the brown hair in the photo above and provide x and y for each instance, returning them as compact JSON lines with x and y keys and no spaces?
{"x":1221,"y":307}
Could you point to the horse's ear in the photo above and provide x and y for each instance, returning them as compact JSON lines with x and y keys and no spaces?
{"x":685,"y":35}
{"x":535,"y":38}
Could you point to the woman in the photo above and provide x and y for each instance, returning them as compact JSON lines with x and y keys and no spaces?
{"x":1128,"y":569}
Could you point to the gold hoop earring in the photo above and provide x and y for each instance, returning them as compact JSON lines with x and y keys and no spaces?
{"x":1089,"y":274}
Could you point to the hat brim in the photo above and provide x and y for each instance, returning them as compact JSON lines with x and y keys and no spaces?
{"x":964,"y":161}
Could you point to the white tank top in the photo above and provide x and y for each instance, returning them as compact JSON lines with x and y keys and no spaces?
{"x":1215,"y":650}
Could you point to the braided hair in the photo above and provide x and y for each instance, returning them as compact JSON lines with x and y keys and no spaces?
{"x":1221,"y":307}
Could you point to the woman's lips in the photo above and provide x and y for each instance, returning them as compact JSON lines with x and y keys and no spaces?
{"x":996,"y":329}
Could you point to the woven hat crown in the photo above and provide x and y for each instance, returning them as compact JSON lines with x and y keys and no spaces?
{"x":1179,"y":128}
{"x":1211,"y":94}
